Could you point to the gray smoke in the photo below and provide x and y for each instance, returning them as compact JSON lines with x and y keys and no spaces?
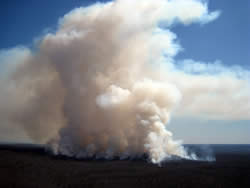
{"x":104,"y":83}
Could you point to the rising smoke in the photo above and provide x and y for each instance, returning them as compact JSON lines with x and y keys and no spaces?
{"x":105,"y":82}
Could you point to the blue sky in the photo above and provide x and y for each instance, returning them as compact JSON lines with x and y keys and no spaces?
{"x":226,"y":39}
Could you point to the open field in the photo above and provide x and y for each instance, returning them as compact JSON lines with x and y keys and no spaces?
{"x":25,"y":166}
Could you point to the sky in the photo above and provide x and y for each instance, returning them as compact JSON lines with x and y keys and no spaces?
{"x":226,"y":39}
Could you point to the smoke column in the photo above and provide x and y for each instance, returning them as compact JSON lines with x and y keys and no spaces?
{"x":105,"y":83}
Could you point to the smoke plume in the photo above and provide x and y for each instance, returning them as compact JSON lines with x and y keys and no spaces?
{"x":105,"y":83}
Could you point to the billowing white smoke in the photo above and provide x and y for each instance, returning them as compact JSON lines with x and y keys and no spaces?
{"x":105,"y":83}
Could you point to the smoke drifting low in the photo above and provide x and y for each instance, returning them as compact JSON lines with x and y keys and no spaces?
{"x":105,"y":83}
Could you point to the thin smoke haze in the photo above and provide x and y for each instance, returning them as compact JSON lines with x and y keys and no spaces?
{"x":105,"y":83}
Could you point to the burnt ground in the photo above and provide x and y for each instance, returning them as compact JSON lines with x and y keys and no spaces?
{"x":26,"y":166}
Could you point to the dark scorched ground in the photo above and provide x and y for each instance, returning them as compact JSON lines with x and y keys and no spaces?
{"x":26,"y":166}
